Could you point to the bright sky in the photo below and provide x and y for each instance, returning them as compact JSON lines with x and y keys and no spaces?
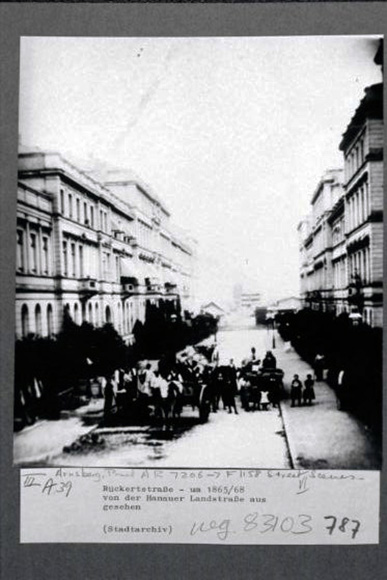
{"x":233,"y":133}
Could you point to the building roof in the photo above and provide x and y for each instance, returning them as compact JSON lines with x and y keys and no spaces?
{"x":212,"y":305}
{"x":46,"y":162}
{"x":330,"y":176}
{"x":370,"y":107}
{"x":110,"y":175}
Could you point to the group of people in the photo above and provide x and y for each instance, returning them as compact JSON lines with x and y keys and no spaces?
{"x":163,"y":387}
{"x":140,"y":386}
{"x":302,"y":393}
{"x":259,"y":383}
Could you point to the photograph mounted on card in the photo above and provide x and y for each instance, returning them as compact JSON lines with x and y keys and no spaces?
{"x":199,"y":253}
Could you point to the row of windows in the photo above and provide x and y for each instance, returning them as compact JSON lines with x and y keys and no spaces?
{"x":340,"y":274}
{"x":33,"y":252}
{"x":355,"y":159}
{"x":72,"y":259}
{"x":316,"y":280}
{"x":358,"y":206}
{"x":82,"y":211}
{"x":76,"y":209}
{"x":359,"y":265}
{"x":35,"y":321}
{"x":338,"y":232}
{"x":35,"y":316}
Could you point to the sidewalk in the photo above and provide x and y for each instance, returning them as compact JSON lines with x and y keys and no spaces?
{"x":321,"y":436}
{"x":46,"y":439}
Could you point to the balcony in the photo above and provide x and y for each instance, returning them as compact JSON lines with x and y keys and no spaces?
{"x":170,"y":288}
{"x":88,"y":287}
{"x":153,"y":285}
{"x":129,"y":287}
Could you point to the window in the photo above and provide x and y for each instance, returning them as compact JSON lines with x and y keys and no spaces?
{"x":25,"y":321}
{"x":20,"y":251}
{"x":91,"y":216}
{"x":366,"y":200}
{"x":76,"y":313}
{"x":81,"y":261}
{"x":34,"y":257}
{"x":38,"y":320}
{"x":73,"y":260}
{"x":62,"y":202}
{"x":45,"y":254}
{"x":101,"y":219}
{"x":70,"y":198}
{"x":65,"y":259}
{"x":85,"y":216}
{"x":78,"y":210}
{"x":50,"y":327}
{"x":118,"y":268}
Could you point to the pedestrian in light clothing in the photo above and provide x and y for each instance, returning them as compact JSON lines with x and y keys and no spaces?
{"x":265,"y":400}
{"x":296,"y":391}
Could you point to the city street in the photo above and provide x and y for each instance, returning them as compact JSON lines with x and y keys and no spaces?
{"x":319,"y":436}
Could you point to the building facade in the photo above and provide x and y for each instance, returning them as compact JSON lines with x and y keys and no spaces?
{"x":341,"y":241}
{"x":99,"y":250}
{"x":362,"y":146}
{"x":317,"y":285}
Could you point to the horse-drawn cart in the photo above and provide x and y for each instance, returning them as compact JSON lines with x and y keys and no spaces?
{"x":254,"y":382}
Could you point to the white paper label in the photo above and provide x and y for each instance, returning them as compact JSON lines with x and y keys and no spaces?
{"x":225,"y":506}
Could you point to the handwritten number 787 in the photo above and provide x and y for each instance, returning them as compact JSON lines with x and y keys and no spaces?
{"x":345,"y":525}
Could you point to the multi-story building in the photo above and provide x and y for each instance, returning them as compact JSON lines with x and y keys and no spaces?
{"x":362,"y":146}
{"x":99,"y":251}
{"x":342,"y":240}
{"x":317,"y":283}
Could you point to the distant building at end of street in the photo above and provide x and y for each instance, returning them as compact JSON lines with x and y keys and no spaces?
{"x":289,"y":304}
{"x":213,"y":309}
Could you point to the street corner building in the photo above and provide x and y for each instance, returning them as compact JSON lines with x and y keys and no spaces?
{"x":97,"y":245}
{"x":341,"y":241}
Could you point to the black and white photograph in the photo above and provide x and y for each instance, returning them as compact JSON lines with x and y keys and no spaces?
{"x":199,"y":252}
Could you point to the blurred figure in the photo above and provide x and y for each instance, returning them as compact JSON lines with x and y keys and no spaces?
{"x":308,"y":393}
{"x":319,"y":366}
{"x":109,"y":399}
{"x":269,"y":362}
{"x":265,"y":400}
{"x":296,"y":391}
{"x":244,"y":392}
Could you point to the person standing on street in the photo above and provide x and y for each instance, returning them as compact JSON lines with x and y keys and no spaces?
{"x":109,"y":398}
{"x":228,"y":389}
{"x":308,"y":394}
{"x":319,"y":366}
{"x":296,"y":391}
{"x":269,"y":362}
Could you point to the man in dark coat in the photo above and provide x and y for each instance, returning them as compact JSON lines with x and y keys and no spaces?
{"x":308,"y":393}
{"x":109,"y":399}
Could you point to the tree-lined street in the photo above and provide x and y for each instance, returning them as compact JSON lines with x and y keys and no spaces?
{"x":316,"y":436}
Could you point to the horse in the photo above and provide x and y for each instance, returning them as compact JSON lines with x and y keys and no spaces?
{"x":167,"y":402}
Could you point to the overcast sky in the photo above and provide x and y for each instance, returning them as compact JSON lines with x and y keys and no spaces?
{"x":233,"y":133}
